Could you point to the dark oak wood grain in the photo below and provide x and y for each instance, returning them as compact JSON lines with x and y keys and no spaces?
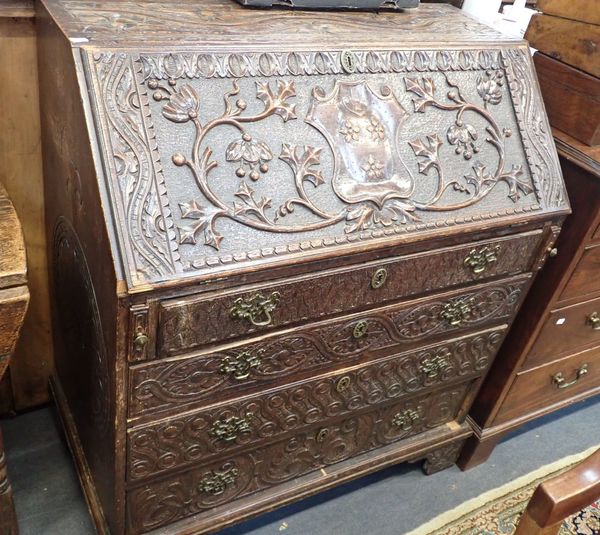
{"x":270,"y":275}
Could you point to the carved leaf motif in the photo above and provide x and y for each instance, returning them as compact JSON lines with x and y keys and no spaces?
{"x":480,"y":177}
{"x":277,"y":102}
{"x":515,"y":185}
{"x":303,"y":162}
{"x":425,"y":90}
{"x":250,"y":152}
{"x":250,"y":205}
{"x":205,"y":222}
{"x":183,"y":105}
{"x":489,"y":87}
{"x":428,"y":150}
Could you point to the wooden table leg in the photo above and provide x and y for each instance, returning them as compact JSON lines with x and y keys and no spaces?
{"x":8,"y":517}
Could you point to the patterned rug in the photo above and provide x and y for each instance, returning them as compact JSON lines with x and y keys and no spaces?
{"x":497,"y":512}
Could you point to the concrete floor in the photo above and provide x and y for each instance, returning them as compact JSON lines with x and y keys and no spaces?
{"x":49,"y":501}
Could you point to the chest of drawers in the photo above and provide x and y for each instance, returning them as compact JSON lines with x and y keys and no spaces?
{"x":286,"y":246}
{"x":552,"y":358}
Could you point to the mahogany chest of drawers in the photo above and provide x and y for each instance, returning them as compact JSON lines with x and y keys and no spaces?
{"x":552,"y":357}
{"x":286,"y":246}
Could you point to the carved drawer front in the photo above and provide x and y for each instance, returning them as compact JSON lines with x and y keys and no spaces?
{"x":193,"y":322}
{"x":195,"y":437}
{"x":585,"y":279}
{"x":567,"y":330}
{"x":540,"y":388}
{"x":230,"y":371}
{"x":201,"y":489}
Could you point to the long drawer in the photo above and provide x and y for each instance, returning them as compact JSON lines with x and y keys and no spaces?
{"x":235,"y":370}
{"x":201,"y":435}
{"x":567,"y":330}
{"x":189,"y":323}
{"x":200,"y":489}
{"x":558,"y":381}
{"x":585,"y":280}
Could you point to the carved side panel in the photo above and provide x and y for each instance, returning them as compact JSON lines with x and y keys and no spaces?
{"x":202,"y":489}
{"x":189,"y":324}
{"x":166,"y":385}
{"x":267,"y":155}
{"x":200,"y":436}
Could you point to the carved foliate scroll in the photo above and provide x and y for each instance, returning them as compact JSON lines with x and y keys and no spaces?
{"x":225,"y":159}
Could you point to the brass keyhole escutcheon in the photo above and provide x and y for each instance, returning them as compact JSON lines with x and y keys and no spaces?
{"x":343,"y":384}
{"x":379,"y":278}
{"x":348,"y":61}
{"x":360,"y":329}
{"x":322,"y":435}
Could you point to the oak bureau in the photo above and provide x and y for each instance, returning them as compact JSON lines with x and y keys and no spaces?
{"x":286,"y":246}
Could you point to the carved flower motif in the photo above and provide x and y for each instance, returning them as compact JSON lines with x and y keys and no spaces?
{"x":373,"y":168}
{"x":350,"y":131}
{"x":254,"y":154}
{"x":183,"y":105}
{"x":463,"y":136}
{"x":376,"y":129}
{"x":489,"y":87}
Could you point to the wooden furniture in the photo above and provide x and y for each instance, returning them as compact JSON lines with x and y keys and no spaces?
{"x":551,"y":358}
{"x":25,"y":384}
{"x":561,"y":497}
{"x":14,"y":298}
{"x":286,"y":245}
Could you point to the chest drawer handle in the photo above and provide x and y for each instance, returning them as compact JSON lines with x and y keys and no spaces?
{"x":560,"y":382}
{"x":379,"y":278}
{"x":216,"y":483}
{"x":360,"y":329}
{"x":231,"y":428}
{"x":479,"y":259}
{"x":593,"y":320}
{"x":433,"y":367}
{"x":257,"y":310}
{"x":405,"y":420}
{"x":455,"y":312}
{"x":240,"y":366}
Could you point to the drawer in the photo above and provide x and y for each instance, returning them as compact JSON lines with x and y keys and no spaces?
{"x":567,"y":330}
{"x":585,"y":279}
{"x":235,"y":370}
{"x":202,"y":435}
{"x":203,"y":488}
{"x":189,"y":323}
{"x":559,"y":381}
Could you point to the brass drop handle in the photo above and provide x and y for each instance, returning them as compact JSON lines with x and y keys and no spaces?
{"x":255,"y":308}
{"x":560,"y":382}
{"x":406,"y":419}
{"x":360,"y":329}
{"x":593,"y":320}
{"x":434,"y":366}
{"x":140,"y":341}
{"x":240,"y":366}
{"x":229,"y":429}
{"x":479,"y":259}
{"x":216,"y":482}
{"x":455,"y":312}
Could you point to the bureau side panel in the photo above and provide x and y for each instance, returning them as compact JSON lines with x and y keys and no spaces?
{"x":82,"y":275}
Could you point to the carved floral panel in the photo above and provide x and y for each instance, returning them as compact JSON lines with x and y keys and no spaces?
{"x":226,"y":159}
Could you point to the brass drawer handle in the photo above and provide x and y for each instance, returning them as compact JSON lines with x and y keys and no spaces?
{"x":593,"y":320}
{"x":360,"y":329}
{"x":140,"y":341}
{"x":240,"y":366}
{"x":455,"y":312}
{"x":216,"y":483}
{"x":231,"y":428}
{"x":257,"y":307}
{"x":479,"y":259}
{"x":433,"y":367}
{"x":406,"y":419}
{"x":560,"y":382}
{"x":378,"y":279}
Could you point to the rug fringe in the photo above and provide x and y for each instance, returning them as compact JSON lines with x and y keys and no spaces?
{"x":474,"y":503}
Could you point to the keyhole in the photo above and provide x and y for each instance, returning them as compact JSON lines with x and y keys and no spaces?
{"x":348,"y":62}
